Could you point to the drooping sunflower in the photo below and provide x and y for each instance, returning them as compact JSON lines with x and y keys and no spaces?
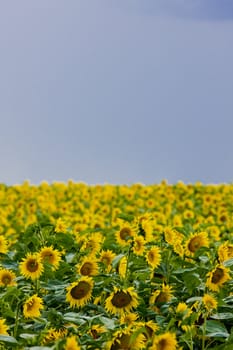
{"x":79,"y":293}
{"x":31,"y":266}
{"x":53,"y":335}
{"x":33,"y":306}
{"x":50,"y":255}
{"x":139,"y":245}
{"x":127,"y":339}
{"x":121,"y":301}
{"x":3,"y":327}
{"x":150,"y":328}
{"x":166,"y":341}
{"x":96,"y":330}
{"x":162,"y":295}
{"x":217,"y":277}
{"x":209,"y":302}
{"x":196,"y":241}
{"x":7,"y":278}
{"x":125,"y":235}
{"x":3,"y":245}
{"x":72,"y":343}
{"x":88,"y":267}
{"x":122,"y":267}
{"x":153,"y":257}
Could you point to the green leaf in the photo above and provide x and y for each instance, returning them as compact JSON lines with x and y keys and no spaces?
{"x":8,"y":339}
{"x":40,"y":348}
{"x":228,"y":262}
{"x":223,"y":316}
{"x":215,"y":329}
{"x":27,"y":335}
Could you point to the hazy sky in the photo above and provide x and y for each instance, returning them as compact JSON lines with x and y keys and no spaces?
{"x":116,"y":91}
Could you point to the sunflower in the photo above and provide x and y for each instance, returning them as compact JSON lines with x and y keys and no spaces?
{"x":217,"y":277}
{"x":209,"y":302}
{"x":3,"y":327}
{"x":127,"y":339}
{"x":71,"y":343}
{"x":31,"y":266}
{"x":54,"y":334}
{"x":32,"y":306}
{"x":50,"y":255}
{"x":182,"y":310}
{"x":129,"y":318}
{"x":170,"y":235}
{"x":139,"y":245}
{"x":121,"y":301}
{"x":92,"y":243}
{"x":196,"y":241}
{"x":79,"y":293}
{"x":151,"y":327}
{"x":153,"y":257}
{"x":162,"y":295}
{"x":166,"y":341}
{"x":96,"y":330}
{"x":7,"y":278}
{"x":88,"y":267}
{"x":60,"y":225}
{"x":148,"y":228}
{"x":124,"y":235}
{"x":225,"y":251}
{"x":106,"y":257}
{"x":122,"y":267}
{"x":3,"y":245}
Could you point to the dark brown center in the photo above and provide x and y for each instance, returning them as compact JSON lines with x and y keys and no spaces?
{"x":121,"y":299}
{"x":80,"y":291}
{"x":32,"y":265}
{"x":86,"y":269}
{"x":217,"y":275}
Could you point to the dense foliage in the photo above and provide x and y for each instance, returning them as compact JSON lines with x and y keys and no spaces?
{"x":116,"y":267}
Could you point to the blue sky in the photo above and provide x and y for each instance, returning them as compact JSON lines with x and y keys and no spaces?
{"x":116,"y":91}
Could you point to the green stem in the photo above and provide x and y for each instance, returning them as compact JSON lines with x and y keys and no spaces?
{"x":16,"y":320}
{"x":203,"y":335}
{"x":127,"y":265}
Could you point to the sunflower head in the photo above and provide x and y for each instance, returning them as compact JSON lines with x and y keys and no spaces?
{"x":162,"y":295}
{"x":51,"y":255}
{"x":121,"y":301}
{"x":209,"y":302}
{"x":72,"y":343}
{"x":88,"y":267}
{"x":106,"y":257}
{"x":7,"y":278}
{"x":124,"y":235}
{"x":166,"y":341}
{"x":196,"y":241}
{"x":3,"y":327}
{"x":79,"y":293}
{"x":32,"y":307}
{"x":3,"y":245}
{"x":139,"y":245}
{"x":217,"y":277}
{"x":127,"y":339}
{"x":153,"y":257}
{"x":31,"y":266}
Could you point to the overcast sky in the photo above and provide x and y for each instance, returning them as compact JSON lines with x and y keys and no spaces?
{"x":111,"y":91}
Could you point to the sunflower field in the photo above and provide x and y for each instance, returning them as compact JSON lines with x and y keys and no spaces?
{"x":116,"y":267}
